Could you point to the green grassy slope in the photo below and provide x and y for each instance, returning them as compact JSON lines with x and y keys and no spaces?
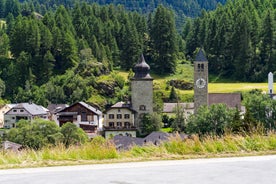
{"x":185,"y":72}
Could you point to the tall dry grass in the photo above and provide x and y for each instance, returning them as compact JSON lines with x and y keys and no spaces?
{"x":228,"y":144}
{"x":97,"y":149}
{"x":176,"y":148}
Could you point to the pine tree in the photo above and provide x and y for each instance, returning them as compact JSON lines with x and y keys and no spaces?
{"x":192,"y":39}
{"x":131,"y":47}
{"x":4,"y":45}
{"x":2,"y":8}
{"x":173,"y":96}
{"x":163,"y":34}
{"x":178,"y":125}
{"x":268,"y":43}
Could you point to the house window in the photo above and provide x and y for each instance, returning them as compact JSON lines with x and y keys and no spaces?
{"x":127,"y":116}
{"x":142,"y":107}
{"x":119,"y":110}
{"x":111,"y":116}
{"x":21,"y":110}
{"x":111,"y":124}
{"x":14,"y":110}
{"x":119,"y":116}
{"x":119,"y":124}
{"x":127,"y":124}
{"x":83,"y":116}
{"x":13,"y":117}
{"x":89,"y":118}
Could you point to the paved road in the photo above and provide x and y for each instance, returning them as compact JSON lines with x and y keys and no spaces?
{"x":246,"y":170}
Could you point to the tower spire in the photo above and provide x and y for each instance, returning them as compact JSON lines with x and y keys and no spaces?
{"x":200,"y":56}
{"x":142,"y":69}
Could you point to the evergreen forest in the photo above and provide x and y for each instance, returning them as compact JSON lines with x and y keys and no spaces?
{"x":66,"y":51}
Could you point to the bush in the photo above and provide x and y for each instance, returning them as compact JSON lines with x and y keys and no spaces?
{"x":36,"y":134}
{"x":72,"y":134}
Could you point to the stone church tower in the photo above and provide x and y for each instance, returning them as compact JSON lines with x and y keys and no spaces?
{"x":200,"y":80}
{"x":141,"y":91}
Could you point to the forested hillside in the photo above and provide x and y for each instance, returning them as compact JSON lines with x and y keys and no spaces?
{"x":68,"y":53}
{"x":239,"y":38}
{"x":182,"y":8}
{"x":190,"y":8}
{"x":60,"y":57}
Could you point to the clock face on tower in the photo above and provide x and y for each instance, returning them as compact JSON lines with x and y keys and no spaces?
{"x":200,"y":83}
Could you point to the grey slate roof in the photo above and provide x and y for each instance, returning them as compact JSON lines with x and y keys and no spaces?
{"x":170,"y":107}
{"x":120,"y":105}
{"x":201,"y":56}
{"x":96,"y":111}
{"x":32,"y":108}
{"x":7,"y":145}
{"x":89,"y":107}
{"x":54,"y":108}
{"x":11,"y":105}
{"x":125,"y":142}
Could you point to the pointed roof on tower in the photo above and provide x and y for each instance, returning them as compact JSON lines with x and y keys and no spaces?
{"x":141,"y":69}
{"x":201,"y":56}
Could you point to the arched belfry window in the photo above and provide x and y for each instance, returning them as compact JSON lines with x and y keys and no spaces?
{"x":198,"y":67}
{"x":202,"y":67}
{"x":142,"y":108}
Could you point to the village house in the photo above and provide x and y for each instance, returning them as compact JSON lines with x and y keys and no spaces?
{"x":83,"y":115}
{"x":3,"y":110}
{"x":169,"y":108}
{"x":54,"y":109}
{"x":26,"y":111}
{"x":119,"y":120}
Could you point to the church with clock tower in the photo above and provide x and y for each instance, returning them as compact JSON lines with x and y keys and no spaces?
{"x":141,"y":91}
{"x":200,"y":80}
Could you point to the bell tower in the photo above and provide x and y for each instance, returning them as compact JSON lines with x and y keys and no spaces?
{"x":200,"y":80}
{"x":141,"y":91}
